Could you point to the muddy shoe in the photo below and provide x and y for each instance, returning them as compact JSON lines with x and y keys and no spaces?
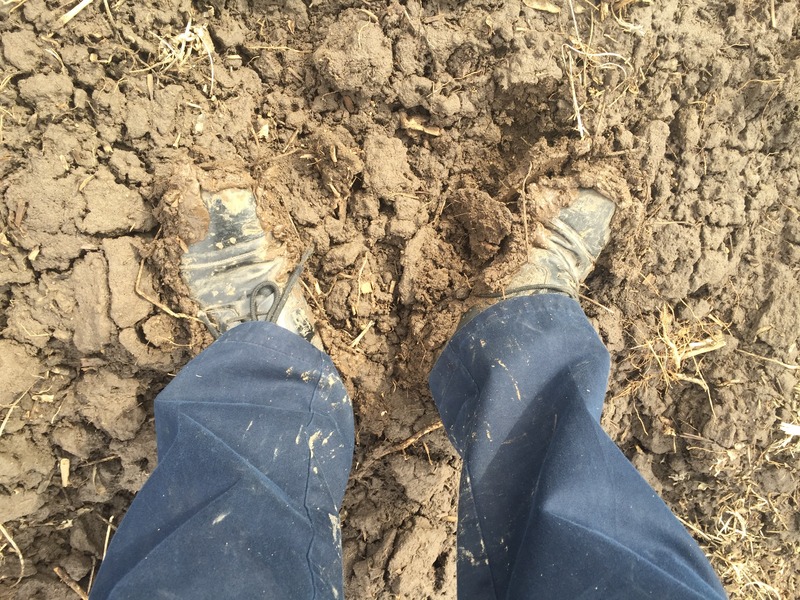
{"x":572,"y":241}
{"x":233,"y":273}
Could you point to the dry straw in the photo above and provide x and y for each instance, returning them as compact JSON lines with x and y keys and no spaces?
{"x":672,"y":352}
{"x":750,"y":520}
{"x":18,"y":552}
{"x":751,"y":523}
{"x":176,"y":52}
{"x":583,"y":62}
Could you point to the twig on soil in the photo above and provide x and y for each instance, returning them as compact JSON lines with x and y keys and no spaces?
{"x":55,"y":55}
{"x":575,"y":106}
{"x":11,"y":541}
{"x":370,"y":14}
{"x":439,"y":210}
{"x":108,"y":522}
{"x":58,"y":410}
{"x":292,"y":138}
{"x":11,"y":408}
{"x":7,"y":2}
{"x":4,"y":82}
{"x":70,"y":583}
{"x":581,"y":54}
{"x":97,"y":462}
{"x":358,"y":283}
{"x":278,"y":49}
{"x":91,"y":576}
{"x":597,"y":304}
{"x":156,"y":303}
{"x":427,"y":452}
{"x":603,"y":65}
{"x":108,"y":535}
{"x":409,"y":442}
{"x":282,"y":155}
{"x":255,"y":137}
{"x":778,"y":80}
{"x":414,"y":28}
{"x":574,"y":22}
{"x":311,"y":295}
{"x":638,"y":416}
{"x":361,"y":335}
{"x":673,"y":344}
{"x":629,"y":27}
{"x":108,"y":12}
{"x":75,"y":11}
{"x":772,"y":360}
{"x":85,"y":182}
{"x":772,"y":19}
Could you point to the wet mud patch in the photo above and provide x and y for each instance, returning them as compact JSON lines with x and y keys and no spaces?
{"x":416,"y":147}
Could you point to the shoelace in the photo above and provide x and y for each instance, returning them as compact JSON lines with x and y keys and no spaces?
{"x":281,"y":297}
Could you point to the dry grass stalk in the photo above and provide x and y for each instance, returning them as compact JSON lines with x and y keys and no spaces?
{"x":616,"y":8}
{"x":5,"y":81}
{"x":361,"y":335}
{"x":108,"y":535}
{"x":108,"y":13}
{"x":75,"y":11}
{"x":408,"y":442}
{"x":542,"y":5}
{"x":594,"y":302}
{"x":770,"y":360}
{"x":11,"y":408}
{"x":277,"y":49}
{"x":17,"y":4}
{"x":575,"y":104}
{"x":399,"y":447}
{"x":360,"y":287}
{"x":156,"y":303}
{"x":13,"y":544}
{"x":68,"y":581}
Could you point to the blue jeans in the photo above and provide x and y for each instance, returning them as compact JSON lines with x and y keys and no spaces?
{"x":255,"y":440}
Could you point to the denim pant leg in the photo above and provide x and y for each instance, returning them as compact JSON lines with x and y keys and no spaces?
{"x":255,"y":442}
{"x":549,"y":506}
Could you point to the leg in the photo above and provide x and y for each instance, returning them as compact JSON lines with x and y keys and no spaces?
{"x":255,"y":440}
{"x":549,"y":507}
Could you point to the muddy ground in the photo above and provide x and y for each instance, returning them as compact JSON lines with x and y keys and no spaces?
{"x":415,"y":145}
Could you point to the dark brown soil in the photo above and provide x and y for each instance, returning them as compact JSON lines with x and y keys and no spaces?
{"x":415,"y":145}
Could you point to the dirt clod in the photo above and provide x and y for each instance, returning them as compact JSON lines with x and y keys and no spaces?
{"x":109,"y":403}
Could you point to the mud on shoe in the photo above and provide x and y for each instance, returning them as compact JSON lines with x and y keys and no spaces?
{"x":569,"y":247}
{"x":572,"y":241}
{"x":239,"y":273}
